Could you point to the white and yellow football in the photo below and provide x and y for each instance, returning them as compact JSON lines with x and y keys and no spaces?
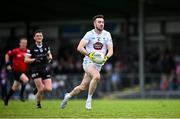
{"x":98,"y":57}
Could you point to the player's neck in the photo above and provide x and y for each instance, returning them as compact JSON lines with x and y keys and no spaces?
{"x":97,"y":31}
{"x":39,"y":44}
{"x":22,"y":48}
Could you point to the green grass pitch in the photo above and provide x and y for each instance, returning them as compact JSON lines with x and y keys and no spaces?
{"x":101,"y":109}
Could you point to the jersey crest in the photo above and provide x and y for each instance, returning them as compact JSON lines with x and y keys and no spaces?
{"x":98,"y":45}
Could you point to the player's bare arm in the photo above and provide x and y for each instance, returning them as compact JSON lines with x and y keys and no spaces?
{"x":49,"y":56}
{"x":7,"y":62}
{"x":7,"y":58}
{"x":81,"y":47}
{"x":28,"y":59}
{"x":110,"y":50}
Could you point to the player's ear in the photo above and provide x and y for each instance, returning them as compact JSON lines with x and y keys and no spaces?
{"x":94,"y":22}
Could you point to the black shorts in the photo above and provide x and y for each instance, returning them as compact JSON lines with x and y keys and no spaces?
{"x":40,"y":74}
{"x":17,"y":76}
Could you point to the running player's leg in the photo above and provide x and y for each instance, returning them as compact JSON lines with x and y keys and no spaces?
{"x":15,"y":86}
{"x":46,"y":76}
{"x":40,"y":87}
{"x":78,"y":89}
{"x":94,"y":73}
{"x":47,"y":84}
{"x":21,"y":95}
{"x":82,"y":87}
{"x":24,"y":80}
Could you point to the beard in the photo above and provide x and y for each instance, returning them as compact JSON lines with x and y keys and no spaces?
{"x":99,"y":28}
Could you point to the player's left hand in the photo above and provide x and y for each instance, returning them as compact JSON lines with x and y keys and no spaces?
{"x":8,"y":66}
{"x":91,"y":55}
{"x":105,"y":59}
{"x":37,"y":60}
{"x":49,"y":60}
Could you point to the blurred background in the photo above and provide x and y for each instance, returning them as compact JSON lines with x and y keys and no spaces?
{"x":146,"y":37}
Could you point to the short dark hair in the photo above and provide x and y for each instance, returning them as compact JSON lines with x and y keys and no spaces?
{"x":23,"y":38}
{"x":38,"y":31}
{"x":98,"y":16}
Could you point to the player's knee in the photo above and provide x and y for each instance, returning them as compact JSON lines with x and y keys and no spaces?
{"x":14,"y":88}
{"x":25,"y":81}
{"x":48,"y":88}
{"x":83,"y":87}
{"x":41,"y":89}
{"x":97,"y":77}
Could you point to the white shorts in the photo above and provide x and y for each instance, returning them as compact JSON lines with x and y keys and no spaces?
{"x":87,"y":62}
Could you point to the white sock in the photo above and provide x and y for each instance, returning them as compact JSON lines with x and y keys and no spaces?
{"x":89,"y":97}
{"x":68,"y":95}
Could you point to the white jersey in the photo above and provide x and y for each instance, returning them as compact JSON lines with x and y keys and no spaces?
{"x":97,"y":42}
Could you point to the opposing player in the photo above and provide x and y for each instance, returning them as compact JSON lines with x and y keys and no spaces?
{"x":39,"y":57}
{"x":18,"y":68}
{"x":97,"y":39}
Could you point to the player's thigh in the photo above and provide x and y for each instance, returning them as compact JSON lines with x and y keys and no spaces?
{"x":86,"y":80}
{"x":47,"y":84}
{"x":39,"y":84}
{"x":92,"y":71}
{"x":46,"y":76}
{"x":16,"y":85}
{"x":24,"y":78}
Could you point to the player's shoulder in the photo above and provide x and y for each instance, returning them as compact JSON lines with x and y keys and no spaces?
{"x":91,"y":32}
{"x":27,"y":50}
{"x":16,"y":49}
{"x":105,"y":32}
{"x":45,"y":45}
{"x":12,"y":50}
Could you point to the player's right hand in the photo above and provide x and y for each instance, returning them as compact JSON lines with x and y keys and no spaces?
{"x":37,"y":60}
{"x":8,"y":66}
{"x":91,"y":56}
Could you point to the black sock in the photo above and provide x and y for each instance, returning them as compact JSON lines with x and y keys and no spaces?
{"x":23,"y":86}
{"x":38,"y":103}
{"x":11,"y":92}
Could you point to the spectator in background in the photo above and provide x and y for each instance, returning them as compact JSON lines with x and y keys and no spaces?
{"x":116,"y":76}
{"x":3,"y":83}
{"x":168,"y":70}
{"x":177,"y":59}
